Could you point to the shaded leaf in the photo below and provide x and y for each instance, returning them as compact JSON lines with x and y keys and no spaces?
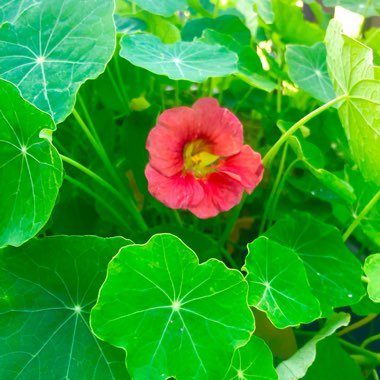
{"x":164,"y":8}
{"x":157,"y":299}
{"x":193,"y":61}
{"x":53,"y":47}
{"x":333,"y":271}
{"x":295,"y":367}
{"x":308,"y":69}
{"x":254,"y":360}
{"x":47,"y":288}
{"x":363,"y":7}
{"x":275,"y":277}
{"x":30,"y":168}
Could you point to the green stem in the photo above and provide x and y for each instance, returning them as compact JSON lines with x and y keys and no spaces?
{"x":216,"y":9}
{"x":357,"y":325}
{"x":230,"y":259}
{"x":373,"y":356}
{"x":360,"y":217}
{"x":279,"y":97}
{"x":276,"y":147}
{"x":243,"y":99}
{"x":109,"y":187}
{"x":177,"y":217}
{"x":231,"y":221}
{"x":369,"y":340}
{"x":269,"y":205}
{"x":96,"y":196}
{"x":120,"y":79}
{"x":116,"y":88}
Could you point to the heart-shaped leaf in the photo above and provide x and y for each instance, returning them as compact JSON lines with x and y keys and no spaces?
{"x":51,"y":48}
{"x":333,"y":271}
{"x":353,"y":74}
{"x":308,"y":69}
{"x":254,"y":360}
{"x":372,"y":270}
{"x":193,"y":61}
{"x":30,"y":168}
{"x":275,"y":276}
{"x":47,"y":288}
{"x":296,"y":366}
{"x":173,"y":316}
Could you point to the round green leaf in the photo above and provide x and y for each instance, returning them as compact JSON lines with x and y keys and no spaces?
{"x":308,"y":69}
{"x":30,"y":168}
{"x":193,"y":61}
{"x":333,"y":271}
{"x":47,"y":288}
{"x":252,"y":361}
{"x":173,"y":316}
{"x":297,"y":365}
{"x":278,"y":284}
{"x":51,"y":48}
{"x":372,"y":270}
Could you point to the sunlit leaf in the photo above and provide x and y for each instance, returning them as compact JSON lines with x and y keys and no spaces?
{"x":333,"y":271}
{"x":372,"y":270}
{"x":254,"y":360}
{"x":364,"y":7}
{"x":352,"y":72}
{"x":53,"y":47}
{"x":308,"y":69}
{"x":30,"y":168}
{"x":164,"y":8}
{"x":194,"y":61}
{"x":47,"y":288}
{"x":296,"y":366}
{"x":173,"y":316}
{"x":275,"y":276}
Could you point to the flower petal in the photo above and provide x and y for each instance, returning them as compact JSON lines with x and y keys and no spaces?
{"x":245,"y":167}
{"x":177,"y":191}
{"x":175,"y":127}
{"x":221,"y":193}
{"x":220,"y":126}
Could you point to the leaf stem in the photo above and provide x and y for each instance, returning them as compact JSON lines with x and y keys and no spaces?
{"x":373,"y":356}
{"x":362,"y":322}
{"x":360,"y":217}
{"x":369,"y":340}
{"x":275,"y":188}
{"x":96,"y":196}
{"x":109,"y":187}
{"x":276,"y":147}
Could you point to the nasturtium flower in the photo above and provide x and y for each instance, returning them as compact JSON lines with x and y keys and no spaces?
{"x":197,"y":160}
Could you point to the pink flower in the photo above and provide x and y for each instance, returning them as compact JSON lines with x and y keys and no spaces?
{"x":197,"y":160}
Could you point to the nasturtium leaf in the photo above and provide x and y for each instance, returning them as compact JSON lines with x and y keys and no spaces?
{"x":365,"y":306}
{"x":226,"y":24}
{"x":30,"y":168}
{"x":164,"y":8}
{"x":352,"y":73}
{"x":249,"y":67}
{"x":193,"y":61}
{"x":308,"y":69}
{"x":173,"y":316}
{"x":291,"y":26}
{"x":275,"y":276}
{"x":264,"y":9}
{"x":333,"y":271}
{"x":296,"y":366}
{"x":364,"y":7}
{"x":10,"y":10}
{"x":47,"y":289}
{"x":372,"y":270}
{"x":332,"y":362}
{"x":252,"y":361}
{"x":55,"y":46}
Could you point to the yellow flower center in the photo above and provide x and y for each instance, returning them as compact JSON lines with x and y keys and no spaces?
{"x":198,"y":159}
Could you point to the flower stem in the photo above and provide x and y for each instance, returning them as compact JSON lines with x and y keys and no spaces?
{"x":360,"y":217}
{"x":101,"y":200}
{"x":130,"y":207}
{"x":276,"y":147}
